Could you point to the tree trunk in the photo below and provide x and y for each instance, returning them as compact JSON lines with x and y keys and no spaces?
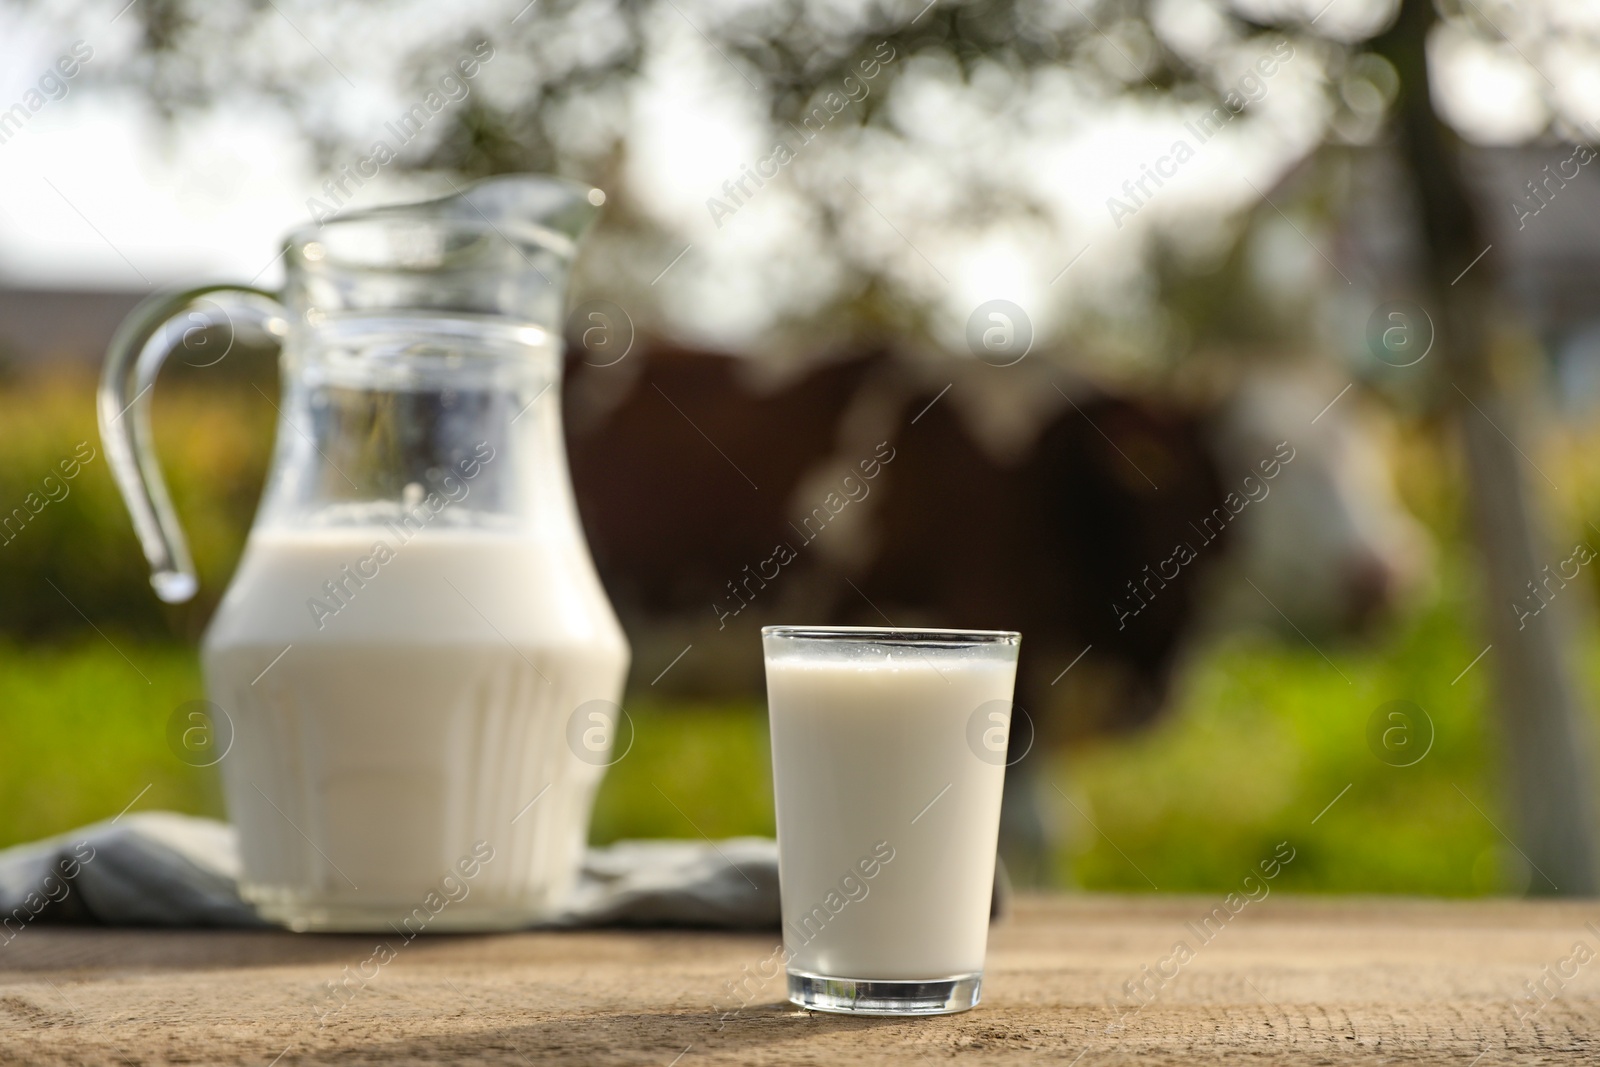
{"x":1538,"y":707}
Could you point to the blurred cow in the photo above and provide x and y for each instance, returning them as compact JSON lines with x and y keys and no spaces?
{"x":1337,"y":551}
{"x":723,"y":494}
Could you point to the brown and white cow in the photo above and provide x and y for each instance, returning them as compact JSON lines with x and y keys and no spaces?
{"x":721,"y":494}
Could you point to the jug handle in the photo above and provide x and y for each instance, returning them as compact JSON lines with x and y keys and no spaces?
{"x":138,"y":350}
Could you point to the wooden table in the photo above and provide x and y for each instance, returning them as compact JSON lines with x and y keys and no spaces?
{"x":1286,"y":981}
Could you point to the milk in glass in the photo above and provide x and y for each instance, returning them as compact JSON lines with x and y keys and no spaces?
{"x":888,"y":765}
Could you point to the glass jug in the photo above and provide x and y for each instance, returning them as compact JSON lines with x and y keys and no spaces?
{"x":414,"y":672}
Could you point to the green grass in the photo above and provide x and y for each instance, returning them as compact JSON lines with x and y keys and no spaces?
{"x":83,"y":732}
{"x":1263,"y":737}
{"x":692,"y":770}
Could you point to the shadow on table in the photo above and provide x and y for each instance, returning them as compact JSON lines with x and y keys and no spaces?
{"x":622,"y":1037}
{"x":51,"y":947}
{"x":66,"y":948}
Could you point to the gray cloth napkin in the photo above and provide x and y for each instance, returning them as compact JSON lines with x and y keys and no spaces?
{"x":163,"y":869}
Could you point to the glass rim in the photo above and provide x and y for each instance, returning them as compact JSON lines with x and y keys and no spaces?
{"x":904,"y":635}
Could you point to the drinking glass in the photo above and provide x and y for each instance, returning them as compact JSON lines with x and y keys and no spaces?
{"x":888,"y":760}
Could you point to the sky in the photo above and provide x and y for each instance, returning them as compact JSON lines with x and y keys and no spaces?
{"x":96,"y":192}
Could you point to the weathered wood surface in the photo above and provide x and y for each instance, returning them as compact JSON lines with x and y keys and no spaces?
{"x":1288,"y":981}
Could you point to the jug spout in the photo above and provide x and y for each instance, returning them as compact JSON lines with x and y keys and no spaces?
{"x":532,"y":207}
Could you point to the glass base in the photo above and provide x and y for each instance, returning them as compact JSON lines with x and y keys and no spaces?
{"x":872,"y":996}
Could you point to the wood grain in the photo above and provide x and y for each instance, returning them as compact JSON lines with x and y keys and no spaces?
{"x":1287,"y":981}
